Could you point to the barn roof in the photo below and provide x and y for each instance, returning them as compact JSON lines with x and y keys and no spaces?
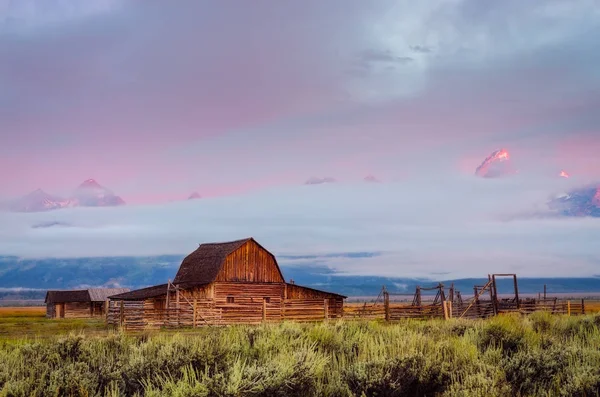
{"x":203,"y":265}
{"x":67,"y":296}
{"x":141,"y":294}
{"x":82,"y":295}
{"x":100,"y":294}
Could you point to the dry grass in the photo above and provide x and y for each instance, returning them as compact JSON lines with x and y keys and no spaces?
{"x":31,"y":322}
{"x":32,"y":311}
{"x":592,"y":306}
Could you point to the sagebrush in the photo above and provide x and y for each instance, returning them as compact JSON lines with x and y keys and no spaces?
{"x":504,"y":356}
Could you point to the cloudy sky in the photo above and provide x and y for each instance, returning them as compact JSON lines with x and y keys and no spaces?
{"x":244,"y":101}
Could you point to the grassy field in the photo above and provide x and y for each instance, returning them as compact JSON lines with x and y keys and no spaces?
{"x":540,"y":355}
{"x":31,"y":322}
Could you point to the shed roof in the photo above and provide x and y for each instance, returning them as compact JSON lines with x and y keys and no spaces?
{"x":67,"y":296}
{"x":141,"y":294}
{"x":82,"y":295}
{"x":203,"y":265}
{"x":101,"y":294}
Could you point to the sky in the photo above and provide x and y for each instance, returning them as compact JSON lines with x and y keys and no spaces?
{"x":244,"y":101}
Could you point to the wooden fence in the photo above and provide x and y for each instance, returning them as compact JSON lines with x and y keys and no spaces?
{"x":135,"y":315}
{"x":132,"y":315}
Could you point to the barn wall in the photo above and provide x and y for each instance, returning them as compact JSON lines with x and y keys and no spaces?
{"x":50,"y":311}
{"x":298,"y":296}
{"x":77,"y":309}
{"x":298,"y":292}
{"x":250,"y":263}
{"x":248,"y":302}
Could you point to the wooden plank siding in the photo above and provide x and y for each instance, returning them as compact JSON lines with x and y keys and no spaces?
{"x":250,"y":263}
{"x":78,"y":310}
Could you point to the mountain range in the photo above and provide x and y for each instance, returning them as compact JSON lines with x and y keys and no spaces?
{"x":584,"y":201}
{"x":88,"y":194}
{"x":135,"y":272}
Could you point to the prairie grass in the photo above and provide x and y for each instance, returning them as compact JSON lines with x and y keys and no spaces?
{"x":539,"y":355}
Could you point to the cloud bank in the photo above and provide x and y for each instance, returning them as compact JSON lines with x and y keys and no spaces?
{"x":446,"y":225}
{"x":157,"y":100}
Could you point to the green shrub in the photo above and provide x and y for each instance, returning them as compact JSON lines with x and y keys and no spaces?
{"x":503,"y":356}
{"x":406,"y":376}
{"x":506,"y":332}
{"x":528,"y":371}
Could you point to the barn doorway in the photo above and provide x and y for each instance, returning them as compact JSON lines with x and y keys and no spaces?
{"x":60,"y":310}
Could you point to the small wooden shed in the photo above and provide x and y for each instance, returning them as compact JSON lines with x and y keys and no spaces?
{"x":82,"y":303}
{"x":224,"y":283}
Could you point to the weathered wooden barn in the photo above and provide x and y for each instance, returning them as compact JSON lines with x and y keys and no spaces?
{"x":223,"y":283}
{"x":79,"y":303}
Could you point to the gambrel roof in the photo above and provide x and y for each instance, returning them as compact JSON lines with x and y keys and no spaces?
{"x":203,"y":265}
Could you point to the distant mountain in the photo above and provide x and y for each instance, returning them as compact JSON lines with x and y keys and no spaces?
{"x":38,"y":201}
{"x":194,"y":196}
{"x":89,"y":194}
{"x":497,"y":164}
{"x":564,"y":174}
{"x":134,"y":272}
{"x":584,"y":201}
{"x":371,"y":178}
{"x":319,"y":181}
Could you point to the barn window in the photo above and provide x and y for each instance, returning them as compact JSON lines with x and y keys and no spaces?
{"x":267,"y":299}
{"x":230,"y":299}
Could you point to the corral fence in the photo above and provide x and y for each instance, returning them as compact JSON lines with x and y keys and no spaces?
{"x":446,"y":310}
{"x":135,"y":315}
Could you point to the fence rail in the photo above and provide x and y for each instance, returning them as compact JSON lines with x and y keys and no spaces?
{"x":136,"y":316}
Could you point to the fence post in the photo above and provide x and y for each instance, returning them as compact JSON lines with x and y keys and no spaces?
{"x":449,"y":305}
{"x":326,"y":308}
{"x":476,"y":294}
{"x":106,"y":307}
{"x":122,"y":314}
{"x":445,"y":308}
{"x":582,"y":307}
{"x":195,"y":309}
{"x":177,"y":304}
{"x":568,"y":308}
{"x":386,"y":305}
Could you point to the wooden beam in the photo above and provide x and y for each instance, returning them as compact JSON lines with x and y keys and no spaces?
{"x":386,"y":305}
{"x":516,"y":290}
{"x":476,"y":297}
{"x":122,"y":314}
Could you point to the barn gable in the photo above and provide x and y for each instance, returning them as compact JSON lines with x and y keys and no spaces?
{"x":240,"y":260}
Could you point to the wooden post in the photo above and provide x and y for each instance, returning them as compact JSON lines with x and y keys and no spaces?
{"x":326,"y":308}
{"x":177,"y":304}
{"x":445,"y":308}
{"x":544,"y":291}
{"x":264,"y":309}
{"x":516,"y":291}
{"x":386,"y":305}
{"x":168,"y":312}
{"x":476,"y":294}
{"x":195,"y":311}
{"x":106,"y":306}
{"x":492,"y":296}
{"x":568,"y":308}
{"x":122,"y":314}
{"x":582,"y":307}
{"x":495,"y":303}
{"x":449,"y":304}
